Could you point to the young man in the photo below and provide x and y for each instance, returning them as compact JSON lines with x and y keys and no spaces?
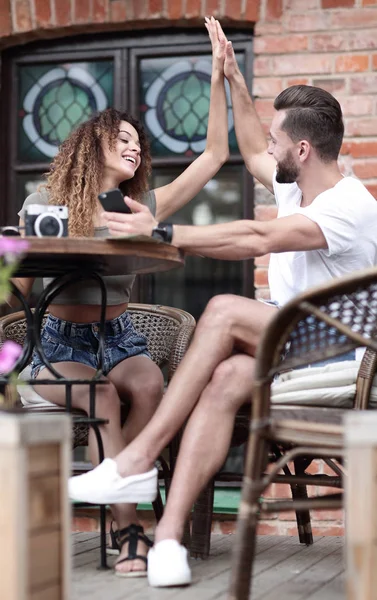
{"x":326,"y":228}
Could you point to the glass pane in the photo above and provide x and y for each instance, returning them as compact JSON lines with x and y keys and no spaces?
{"x":54,"y":99}
{"x":174,"y":103}
{"x":191,"y":287}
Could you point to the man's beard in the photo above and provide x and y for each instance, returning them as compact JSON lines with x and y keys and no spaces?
{"x":286,"y":170}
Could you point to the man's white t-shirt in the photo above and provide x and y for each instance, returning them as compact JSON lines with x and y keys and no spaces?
{"x":347,"y":216}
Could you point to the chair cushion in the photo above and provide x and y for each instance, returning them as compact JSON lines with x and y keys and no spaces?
{"x":330,"y":385}
{"x":29,"y":397}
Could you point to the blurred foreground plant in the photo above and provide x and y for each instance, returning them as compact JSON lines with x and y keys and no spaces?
{"x":11,"y":251}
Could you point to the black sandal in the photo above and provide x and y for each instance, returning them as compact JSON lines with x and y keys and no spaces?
{"x":132,"y":534}
{"x":114,"y":546}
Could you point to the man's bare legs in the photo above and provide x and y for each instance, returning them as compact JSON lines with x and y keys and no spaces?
{"x":228,"y":324}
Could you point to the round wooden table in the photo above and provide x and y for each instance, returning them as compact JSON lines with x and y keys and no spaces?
{"x":107,"y":256}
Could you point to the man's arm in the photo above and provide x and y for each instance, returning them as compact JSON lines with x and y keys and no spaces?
{"x":251,"y":138}
{"x":236,"y":240}
{"x":244,"y":239}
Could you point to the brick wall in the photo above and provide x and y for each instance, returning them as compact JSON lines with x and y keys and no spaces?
{"x":329,"y":43}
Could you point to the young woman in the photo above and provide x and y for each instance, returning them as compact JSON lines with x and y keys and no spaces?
{"x":111,"y":150}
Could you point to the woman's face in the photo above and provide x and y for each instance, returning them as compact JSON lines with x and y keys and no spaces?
{"x":121,"y":162}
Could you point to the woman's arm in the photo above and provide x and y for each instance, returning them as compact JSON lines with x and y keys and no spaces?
{"x":173,"y":196}
{"x":24,"y":284}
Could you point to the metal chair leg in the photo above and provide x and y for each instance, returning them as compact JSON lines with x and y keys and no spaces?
{"x":202,"y":522}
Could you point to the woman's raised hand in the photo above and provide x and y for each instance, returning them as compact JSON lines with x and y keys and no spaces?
{"x":230,"y":66}
{"x":218,"y":43}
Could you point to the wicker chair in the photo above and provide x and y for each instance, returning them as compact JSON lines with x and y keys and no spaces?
{"x":318,"y":325}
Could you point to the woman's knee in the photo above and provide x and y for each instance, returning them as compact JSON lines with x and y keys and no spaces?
{"x":107,"y":401}
{"x":146,"y":391}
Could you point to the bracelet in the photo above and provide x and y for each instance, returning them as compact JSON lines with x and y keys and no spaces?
{"x":163,"y":232}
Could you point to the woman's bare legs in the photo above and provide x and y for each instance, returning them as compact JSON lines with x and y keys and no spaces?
{"x":126,"y":381}
{"x":229,"y":323}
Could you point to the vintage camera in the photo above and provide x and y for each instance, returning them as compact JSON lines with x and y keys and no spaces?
{"x":45,"y":220}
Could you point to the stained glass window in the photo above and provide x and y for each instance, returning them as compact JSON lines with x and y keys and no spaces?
{"x":174,"y":103}
{"x":54,"y":99}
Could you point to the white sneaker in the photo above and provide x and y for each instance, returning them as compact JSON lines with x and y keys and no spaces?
{"x":104,"y":485}
{"x":168,"y":565}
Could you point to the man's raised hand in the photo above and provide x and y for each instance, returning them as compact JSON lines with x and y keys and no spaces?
{"x":218,"y":43}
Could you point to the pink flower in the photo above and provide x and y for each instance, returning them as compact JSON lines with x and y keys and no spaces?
{"x":10,"y":245}
{"x":9,"y":354}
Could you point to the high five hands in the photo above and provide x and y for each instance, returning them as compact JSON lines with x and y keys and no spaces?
{"x":222,"y":49}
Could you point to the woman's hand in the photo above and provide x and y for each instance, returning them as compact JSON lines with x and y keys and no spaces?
{"x":140,"y":222}
{"x":230,"y":66}
{"x":218,"y":43}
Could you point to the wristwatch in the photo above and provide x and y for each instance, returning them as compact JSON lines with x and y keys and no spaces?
{"x":163,"y":232}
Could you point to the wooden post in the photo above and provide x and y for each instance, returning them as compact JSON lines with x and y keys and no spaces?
{"x":35,"y":458}
{"x":361,"y":505}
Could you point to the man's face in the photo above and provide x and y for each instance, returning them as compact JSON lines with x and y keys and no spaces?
{"x":283,"y":150}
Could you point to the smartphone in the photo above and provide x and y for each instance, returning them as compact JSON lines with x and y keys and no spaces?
{"x":113,"y":201}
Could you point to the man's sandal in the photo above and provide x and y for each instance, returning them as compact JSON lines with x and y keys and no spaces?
{"x":132,"y":534}
{"x":113,"y":548}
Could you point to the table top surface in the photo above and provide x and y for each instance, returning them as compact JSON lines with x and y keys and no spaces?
{"x":49,"y":256}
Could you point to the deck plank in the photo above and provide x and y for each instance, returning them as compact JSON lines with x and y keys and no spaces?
{"x":283,"y":569}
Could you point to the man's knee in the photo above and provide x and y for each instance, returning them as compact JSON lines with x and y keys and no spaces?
{"x":227,"y":389}
{"x":218,"y":312}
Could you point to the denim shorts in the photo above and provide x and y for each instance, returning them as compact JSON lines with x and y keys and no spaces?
{"x":63,"y":341}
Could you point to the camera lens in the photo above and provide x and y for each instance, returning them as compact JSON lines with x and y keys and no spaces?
{"x":48,"y":225}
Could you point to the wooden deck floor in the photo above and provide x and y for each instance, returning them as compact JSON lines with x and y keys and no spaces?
{"x":284,"y":569}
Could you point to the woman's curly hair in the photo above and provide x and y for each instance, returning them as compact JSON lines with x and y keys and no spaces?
{"x":74,"y":178}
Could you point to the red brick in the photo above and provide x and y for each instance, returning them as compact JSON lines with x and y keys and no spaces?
{"x":118,"y":11}
{"x":325,"y":529}
{"x":361,"y":127}
{"x":232,"y":8}
{"x":363,"y":84}
{"x":274,"y":9}
{"x":81,"y":11}
{"x":84,"y":524}
{"x":193,"y":8}
{"x":63,"y":12}
{"x":175,"y":9}
{"x":297,"y":81}
{"x":362,"y":149}
{"x":22,"y":15}
{"x":140,"y":9}
{"x":338,"y":3}
{"x":331,"y":85}
{"x":262,"y":261}
{"x":277,"y":45}
{"x":296,"y":5}
{"x":271,"y":28}
{"x":227,"y":527}
{"x":315,"y":21}
{"x":279,"y":490}
{"x":360,"y":17}
{"x":267,"y":87}
{"x":296,"y":64}
{"x":265,"y":108}
{"x":328,"y":515}
{"x":261,"y":277}
{"x":352,"y":63}
{"x":5,"y":18}
{"x":265,"y":212}
{"x":365,"y":169}
{"x":42,"y":10}
{"x":353,"y":106}
{"x":372,"y":188}
{"x":156,"y":8}
{"x":369,"y":2}
{"x":267,"y":529}
{"x":262,"y":66}
{"x":211,"y":8}
{"x":374,"y":62}
{"x":252,"y":11}
{"x":346,"y":41}
{"x":100,"y":11}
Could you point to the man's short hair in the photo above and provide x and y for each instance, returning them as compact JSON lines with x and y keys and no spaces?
{"x":315,"y":115}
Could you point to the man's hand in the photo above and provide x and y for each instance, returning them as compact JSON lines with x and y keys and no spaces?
{"x":140,"y":222}
{"x":218,"y":43}
{"x":230,"y":64}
